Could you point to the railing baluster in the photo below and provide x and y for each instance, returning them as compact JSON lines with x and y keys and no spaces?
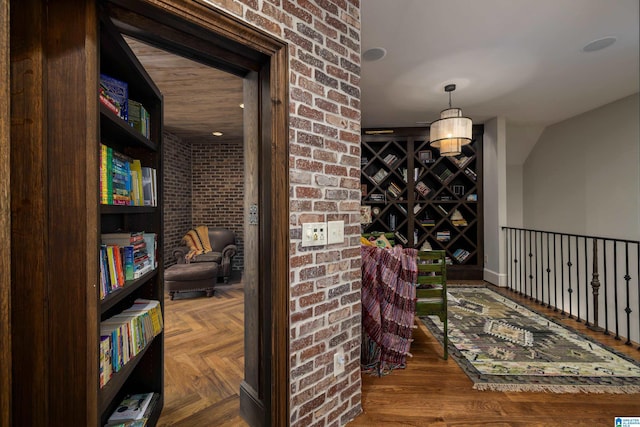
{"x":535,"y":270}
{"x":521,"y":263}
{"x":555,"y":274}
{"x":548,"y":274}
{"x":595,"y":283}
{"x":606,"y":289}
{"x":627,"y":278}
{"x":569,"y":264}
{"x":578,"y":281}
{"x":562,"y":274}
{"x":586,"y":283}
{"x":615,"y":284}
{"x":530,"y":277}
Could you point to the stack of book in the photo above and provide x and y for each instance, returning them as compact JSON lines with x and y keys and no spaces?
{"x":139,"y":118}
{"x":125,"y":335}
{"x":443,"y":236}
{"x":422,"y":188}
{"x":124,"y":181}
{"x":377,"y":197}
{"x":461,"y":161}
{"x":394,"y":190}
{"x":380,"y":175}
{"x":427,"y":222}
{"x":134,"y":410}
{"x":445,"y":175}
{"x":457,"y":219}
{"x":461,"y":255}
{"x":125,"y":256}
{"x":390,"y":159}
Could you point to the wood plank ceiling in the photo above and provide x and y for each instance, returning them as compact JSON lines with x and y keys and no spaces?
{"x":198,"y":99}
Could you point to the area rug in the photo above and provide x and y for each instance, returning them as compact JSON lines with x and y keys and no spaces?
{"x":504,"y":346}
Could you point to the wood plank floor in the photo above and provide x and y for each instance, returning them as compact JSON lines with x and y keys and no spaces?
{"x":436,"y":392}
{"x":204,"y":367}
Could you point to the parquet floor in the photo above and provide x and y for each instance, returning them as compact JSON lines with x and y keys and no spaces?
{"x":204,"y":367}
{"x":204,"y":358}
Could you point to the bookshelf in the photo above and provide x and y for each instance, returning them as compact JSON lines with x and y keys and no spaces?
{"x":424,"y":198}
{"x":143,"y":371}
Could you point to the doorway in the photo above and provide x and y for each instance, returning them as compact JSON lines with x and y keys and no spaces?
{"x":209,"y":36}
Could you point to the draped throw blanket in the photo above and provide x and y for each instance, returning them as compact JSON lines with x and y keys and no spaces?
{"x":388,"y":307}
{"x":198,"y":241}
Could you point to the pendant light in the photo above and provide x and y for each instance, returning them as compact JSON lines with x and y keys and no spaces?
{"x":452,"y":130}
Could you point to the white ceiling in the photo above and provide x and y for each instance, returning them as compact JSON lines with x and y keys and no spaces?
{"x":519,"y":59}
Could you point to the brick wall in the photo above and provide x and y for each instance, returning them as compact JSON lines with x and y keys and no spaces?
{"x":324,"y":63}
{"x":176,"y":181}
{"x":203,"y":185}
{"x":218,"y":190}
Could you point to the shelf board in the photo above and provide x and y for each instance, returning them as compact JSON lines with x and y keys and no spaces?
{"x":111,"y":388}
{"x":121,"y":293}
{"x":123,"y":209}
{"x":116,"y":127}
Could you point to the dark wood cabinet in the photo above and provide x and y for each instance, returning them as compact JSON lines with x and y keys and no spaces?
{"x":424,"y":199}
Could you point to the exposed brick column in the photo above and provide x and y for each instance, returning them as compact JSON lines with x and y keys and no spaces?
{"x":324,"y":129}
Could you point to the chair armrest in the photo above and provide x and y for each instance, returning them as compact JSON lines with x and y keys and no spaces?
{"x":180,"y":254}
{"x":229,"y":251}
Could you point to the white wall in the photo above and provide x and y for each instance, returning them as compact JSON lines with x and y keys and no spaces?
{"x":514,"y":196}
{"x":583,"y":175}
{"x":494,"y":195}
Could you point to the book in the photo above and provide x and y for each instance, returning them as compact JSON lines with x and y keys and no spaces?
{"x":138,"y":117}
{"x":116,"y":92}
{"x":132,"y":407}
{"x":401,"y":238}
{"x":136,"y":175}
{"x":151,"y":241}
{"x":148,"y":187}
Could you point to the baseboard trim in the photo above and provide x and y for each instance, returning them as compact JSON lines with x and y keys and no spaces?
{"x":251,"y":407}
{"x":495,"y":278}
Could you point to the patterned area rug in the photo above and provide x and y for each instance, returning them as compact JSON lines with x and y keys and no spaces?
{"x":504,"y":346}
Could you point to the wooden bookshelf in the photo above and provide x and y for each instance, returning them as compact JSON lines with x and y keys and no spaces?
{"x":425,"y":197}
{"x":145,"y":372}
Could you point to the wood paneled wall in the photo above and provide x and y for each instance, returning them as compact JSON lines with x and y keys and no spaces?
{"x":28,"y":215}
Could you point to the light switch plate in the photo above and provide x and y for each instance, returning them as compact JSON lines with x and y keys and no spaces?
{"x":314,"y":234}
{"x":335,"y":232}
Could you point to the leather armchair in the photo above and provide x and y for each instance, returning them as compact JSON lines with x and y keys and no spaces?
{"x":223,"y":249}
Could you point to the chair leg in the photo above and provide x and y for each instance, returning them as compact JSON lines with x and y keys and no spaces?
{"x":209,"y":292}
{"x":171,"y":295}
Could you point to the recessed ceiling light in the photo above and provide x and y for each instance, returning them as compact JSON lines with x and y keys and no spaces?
{"x":599,"y":44}
{"x":242,"y":105}
{"x":217,"y":133}
{"x":374,"y":54}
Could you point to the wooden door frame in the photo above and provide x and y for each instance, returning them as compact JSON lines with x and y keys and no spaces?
{"x":5,"y":222}
{"x":210,"y":36}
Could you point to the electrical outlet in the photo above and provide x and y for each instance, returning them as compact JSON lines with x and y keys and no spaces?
{"x":486,"y":260}
{"x":338,"y":363}
{"x":314,"y":234}
{"x":335,"y":232}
